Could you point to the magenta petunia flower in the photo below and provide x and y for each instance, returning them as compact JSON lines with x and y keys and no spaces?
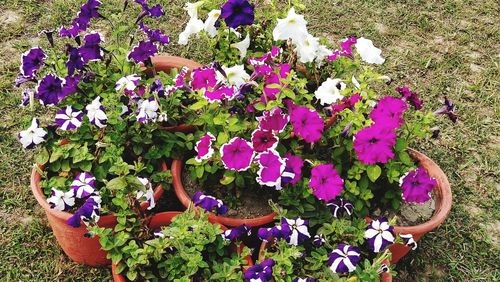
{"x":263,"y":65}
{"x":389,"y":112}
{"x":410,"y":97}
{"x":271,"y":166}
{"x":325,"y":182}
{"x":374,"y":144}
{"x":203,"y":78}
{"x":204,"y":148}
{"x":219,"y":94}
{"x":263,"y":140}
{"x":346,"y":103}
{"x":294,"y":164}
{"x":345,"y":49}
{"x":273,"y":82}
{"x":237,"y":154}
{"x":417,"y":186}
{"x":274,"y":120}
{"x":306,"y":123}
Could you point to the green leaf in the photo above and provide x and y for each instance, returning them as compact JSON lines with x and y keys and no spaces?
{"x":42,"y":157}
{"x":227,"y":179}
{"x":117,"y":183}
{"x":374,"y":172}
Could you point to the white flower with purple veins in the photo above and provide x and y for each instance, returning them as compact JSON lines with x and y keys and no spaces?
{"x":83,"y":185}
{"x":293,"y":27}
{"x":242,"y":46}
{"x":307,"y":48}
{"x":329,"y":91}
{"x":96,"y":114}
{"x":344,"y":259}
{"x":32,"y":136}
{"x":299,"y":232}
{"x":69,"y":118}
{"x":210,"y":27}
{"x":368,"y":52}
{"x":148,"y":194}
{"x":147,"y":110}
{"x":236,"y":75}
{"x":129,"y":83}
{"x":60,"y":200}
{"x":379,"y":234}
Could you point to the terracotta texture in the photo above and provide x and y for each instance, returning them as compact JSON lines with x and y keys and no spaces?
{"x":79,"y":248}
{"x":185,"y":199}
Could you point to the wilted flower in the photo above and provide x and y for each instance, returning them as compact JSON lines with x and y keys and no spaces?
{"x":88,"y":212}
{"x":325,"y":182}
{"x":329,"y":91}
{"x":236,"y":233}
{"x":154,"y":35}
{"x":409,"y":241}
{"x":237,"y":13}
{"x":87,"y":11}
{"x":60,"y":200}
{"x":345,"y":49}
{"x":209,"y":203}
{"x":368,"y":52}
{"x":346,"y":103}
{"x":83,"y":185}
{"x":69,"y":118}
{"x":204,"y":148}
{"x":448,"y":109}
{"x":339,"y":207}
{"x":410,"y":96}
{"x":32,"y":136}
{"x":237,"y":154}
{"x":417,"y":186}
{"x":299,"y":279}
{"x":344,"y":258}
{"x":379,"y":234}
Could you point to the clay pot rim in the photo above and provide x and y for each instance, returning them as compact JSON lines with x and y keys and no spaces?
{"x":62,"y":215}
{"x":182,"y":195}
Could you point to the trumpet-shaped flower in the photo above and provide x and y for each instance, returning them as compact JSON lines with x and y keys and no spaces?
{"x":60,"y":200}
{"x":344,"y":258}
{"x":147,"y":194}
{"x":409,"y":241}
{"x":143,"y":51}
{"x":96,"y":114}
{"x":306,"y":123}
{"x":89,"y":212}
{"x":274,"y":120}
{"x":319,"y":240}
{"x":31,"y":61}
{"x":368,"y":52}
{"x":204,"y":148}
{"x":236,"y":75}
{"x":210,"y":23}
{"x":307,"y":49}
{"x":389,"y":112}
{"x":237,"y":232}
{"x":417,"y":186}
{"x":237,"y":154}
{"x":50,"y":90}
{"x":83,"y":185}
{"x":209,"y":203}
{"x":325,"y":182}
{"x":237,"y":13}
{"x":379,"y":234}
{"x":340,"y":206}
{"x":69,"y":118}
{"x":154,"y":35}
{"x":242,"y":46}
{"x":329,"y":91}
{"x":32,"y":136}
{"x":271,"y":166}
{"x":203,"y":78}
{"x":293,"y":27}
{"x":194,"y":26}
{"x":91,"y":50}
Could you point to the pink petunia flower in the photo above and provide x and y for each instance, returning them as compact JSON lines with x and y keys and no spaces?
{"x":273,"y":82}
{"x":325,"y":182}
{"x":271,"y":166}
{"x":237,"y":154}
{"x":219,"y":94}
{"x":274,"y":120}
{"x":417,"y":186}
{"x":294,"y":164}
{"x":263,"y":140}
{"x":389,"y":112}
{"x":204,"y":147}
{"x":306,"y":123}
{"x":374,"y":144}
{"x":203,"y":78}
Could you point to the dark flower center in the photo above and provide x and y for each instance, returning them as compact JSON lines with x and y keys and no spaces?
{"x":373,"y":140}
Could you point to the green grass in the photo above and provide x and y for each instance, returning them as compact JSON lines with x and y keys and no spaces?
{"x":437,"y":47}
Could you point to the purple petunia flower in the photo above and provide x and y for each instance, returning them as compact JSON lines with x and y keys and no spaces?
{"x":143,"y":51}
{"x":219,"y":94}
{"x":60,"y":200}
{"x":389,"y":112}
{"x":344,"y":258}
{"x":203,"y":78}
{"x":70,"y":86}
{"x":209,"y":203}
{"x":306,"y":123}
{"x":325,"y":182}
{"x":236,"y":233}
{"x":237,"y":13}
{"x":204,"y":148}
{"x":83,"y":185}
{"x":374,"y":144}
{"x":274,"y":120}
{"x":307,"y":279}
{"x":89,"y":212}
{"x":154,"y":35}
{"x":263,"y":140}
{"x":294,"y":165}
{"x":157,"y":87}
{"x":261,"y":272}
{"x":154,"y":11}
{"x":75,"y":60}
{"x":410,"y":96}
{"x":91,"y":50}
{"x":271,"y":166}
{"x":272,"y":82}
{"x":298,"y":230}
{"x":379,"y":234}
{"x":417,"y":186}
{"x":237,"y":154}
{"x":96,"y":114}
{"x":340,"y":206}
{"x":49,"y":90}
{"x":27,"y":95}
{"x":409,"y":241}
{"x":32,"y":136}
{"x":20,"y":80}
{"x":345,"y":49}
{"x":31,"y":61}
{"x":147,"y":110}
{"x":319,"y":240}
{"x":448,"y":109}
{"x":69,"y":118}
{"x":87,"y":11}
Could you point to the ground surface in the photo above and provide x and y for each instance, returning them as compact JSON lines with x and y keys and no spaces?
{"x":438,"y":47}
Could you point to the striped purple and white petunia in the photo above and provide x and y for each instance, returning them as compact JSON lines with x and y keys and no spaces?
{"x":344,"y":258}
{"x":148,"y":194}
{"x":379,"y":234}
{"x":69,"y":118}
{"x":60,"y":200}
{"x":32,"y":136}
{"x":96,"y":114}
{"x":83,"y":185}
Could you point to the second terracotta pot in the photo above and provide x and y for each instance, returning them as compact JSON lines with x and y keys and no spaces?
{"x":185,"y":199}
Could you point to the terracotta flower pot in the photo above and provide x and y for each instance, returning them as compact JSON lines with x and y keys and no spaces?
{"x":185,"y":199}
{"x":166,"y":64}
{"x":442,"y":197}
{"x":164,"y":219}
{"x":384,"y":277}
{"x":72,"y":240}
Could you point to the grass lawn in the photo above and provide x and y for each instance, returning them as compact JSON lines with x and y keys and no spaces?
{"x":447,"y":47}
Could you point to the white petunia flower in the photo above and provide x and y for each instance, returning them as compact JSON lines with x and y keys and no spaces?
{"x":212,"y":18}
{"x":329,"y":92}
{"x":322,"y":52}
{"x":307,"y":48}
{"x":368,"y":52}
{"x":242,"y":46}
{"x":192,"y":8}
{"x":148,"y":195}
{"x":96,"y":114}
{"x":147,"y":110}
{"x":194,"y":26}
{"x":32,"y":136}
{"x":60,"y":200}
{"x":128,"y":82}
{"x":356,"y":83}
{"x":293,"y":27}
{"x":236,"y":75}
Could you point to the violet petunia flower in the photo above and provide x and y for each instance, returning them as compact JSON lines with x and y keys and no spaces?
{"x":300,"y":279}
{"x":89,"y":212}
{"x":325,"y":182}
{"x":75,"y":60}
{"x":409,"y":241}
{"x":410,"y":97}
{"x":237,"y":13}
{"x":271,"y":167}
{"x":448,"y":109}
{"x":147,"y":194}
{"x":96,"y":114}
{"x":263,"y":140}
{"x":91,"y":50}
{"x":143,"y":51}
{"x":261,"y":272}
{"x":274,"y":120}
{"x":340,"y":206}
{"x":389,"y":112}
{"x":31,"y":61}
{"x":237,"y":232}
{"x":298,"y":230}
{"x":319,"y":240}
{"x":27,"y":95}
{"x":87,"y":11}
{"x":60,"y":200}
{"x":417,"y":186}
{"x":374,"y":144}
{"x":154,"y":35}
{"x":49,"y":90}
{"x":70,"y":86}
{"x":68,"y":118}
{"x":154,"y":11}
{"x":204,"y":148}
{"x":209,"y":203}
{"x":379,"y":234}
{"x":147,"y":110}
{"x":20,"y":80}
{"x":32,"y":136}
{"x":237,"y":154}
{"x":306,"y":123}
{"x":157,"y":87}
{"x":344,"y":258}
{"x":83,"y":185}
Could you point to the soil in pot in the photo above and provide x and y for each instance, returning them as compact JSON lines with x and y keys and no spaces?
{"x":409,"y":214}
{"x":252,"y":203}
